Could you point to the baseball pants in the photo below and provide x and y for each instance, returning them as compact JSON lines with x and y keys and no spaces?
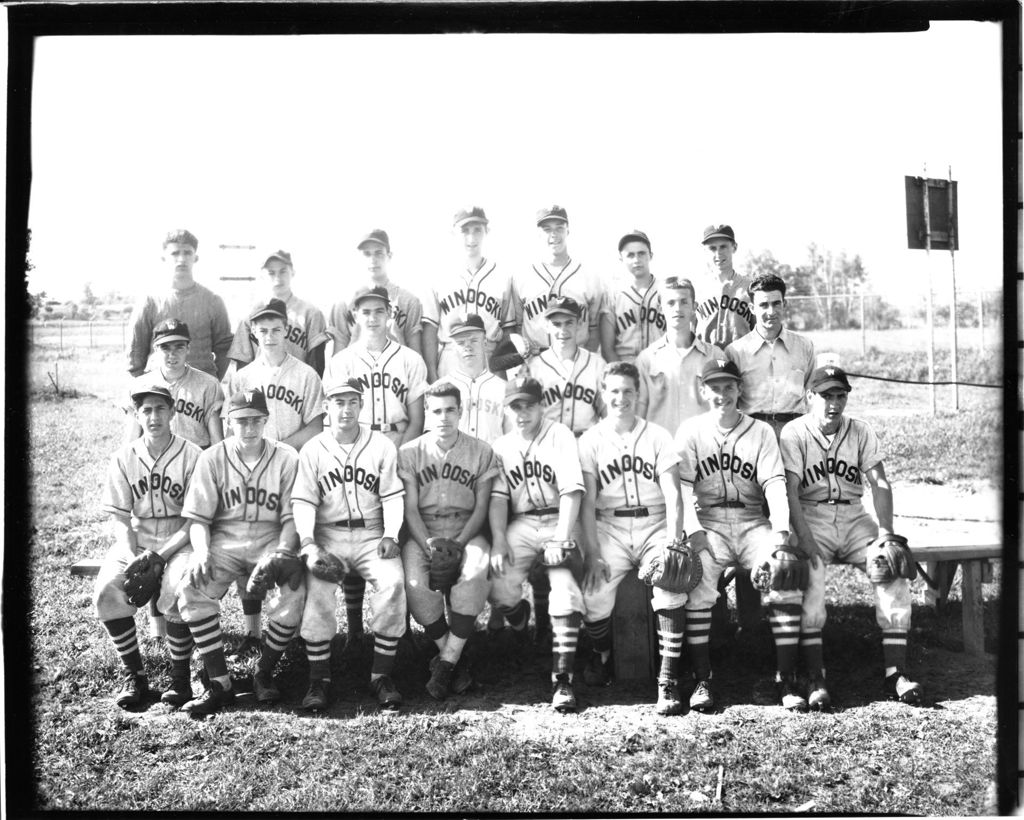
{"x":233,"y":554}
{"x":526,"y":535}
{"x":358,"y":549}
{"x":843,"y":532}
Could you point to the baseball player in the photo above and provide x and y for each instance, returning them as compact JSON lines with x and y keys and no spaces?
{"x":630,"y":509}
{"x":447,"y":476}
{"x":733,"y":465}
{"x":723,"y":314}
{"x":239,"y":503}
{"x":348,"y":504}
{"x":633,"y":317}
{"x":827,"y":456}
{"x":197,"y":395}
{"x":481,"y":288}
{"x":558,"y":275}
{"x":406,"y":308}
{"x":305,"y":326}
{"x":539,"y":472}
{"x":144,"y":493}
{"x":197,"y":306}
{"x":670,"y":368}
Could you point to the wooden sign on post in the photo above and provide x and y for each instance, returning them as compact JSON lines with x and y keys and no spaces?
{"x":942,"y":214}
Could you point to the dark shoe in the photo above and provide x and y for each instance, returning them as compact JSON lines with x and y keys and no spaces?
{"x":899,"y":687}
{"x":818,"y":698}
{"x":440,"y":678}
{"x":563,"y":699}
{"x":789,"y":694}
{"x":668,"y":697}
{"x":462,"y":678}
{"x":179,"y":692}
{"x":597,"y":672}
{"x":264,"y":688}
{"x":388,"y":696}
{"x":212,"y":700}
{"x":316,"y":696}
{"x":134,"y":691}
{"x":701,"y":699}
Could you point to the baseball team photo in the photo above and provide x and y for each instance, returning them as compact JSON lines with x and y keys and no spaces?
{"x":520,"y":423}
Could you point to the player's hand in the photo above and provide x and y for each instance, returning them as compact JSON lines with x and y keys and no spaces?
{"x":699,"y":543}
{"x":387,"y":548}
{"x":595,"y":569}
{"x":200,"y":571}
{"x":501,"y":557}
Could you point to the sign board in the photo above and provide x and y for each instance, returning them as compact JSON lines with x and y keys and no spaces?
{"x":942,"y":214}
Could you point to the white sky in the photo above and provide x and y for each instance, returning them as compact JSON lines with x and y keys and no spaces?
{"x":307,"y":142}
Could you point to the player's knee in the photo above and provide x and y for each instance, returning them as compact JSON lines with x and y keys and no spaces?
{"x":109,"y":601}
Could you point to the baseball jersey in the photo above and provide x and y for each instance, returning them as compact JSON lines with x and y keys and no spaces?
{"x":229,"y":495}
{"x":347,"y":481}
{"x":723,"y":310}
{"x":638,"y":316}
{"x":293,"y":390}
{"x":486,"y":292}
{"x":406,"y":316}
{"x":197,"y":397}
{"x":145,"y":487}
{"x":306,"y":331}
{"x":775,"y":375}
{"x":392,"y":379}
{"x":535,"y":474}
{"x":670,"y":380}
{"x":533,"y":288}
{"x":829,"y":469}
{"x":627,"y":466}
{"x":571,"y":389}
{"x":199,"y":308}
{"x":483,"y":405}
{"x":733,"y":466}
{"x":446,"y":481}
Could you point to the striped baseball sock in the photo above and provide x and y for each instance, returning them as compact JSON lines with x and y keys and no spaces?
{"x":126,"y":642}
{"x":810,"y":649}
{"x":318,"y":653}
{"x":698,"y":627}
{"x":252,"y":609}
{"x":206,"y":633}
{"x":275,"y":642}
{"x":354,"y":588}
{"x":517,"y":616}
{"x":385,"y":651}
{"x":600,"y":636}
{"x":785,"y":623}
{"x":179,"y":647}
{"x":894,"y":649}
{"x":565,"y":633}
{"x":671,"y":625}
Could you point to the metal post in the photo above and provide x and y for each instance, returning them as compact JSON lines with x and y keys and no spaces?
{"x":952,"y":308}
{"x":863,"y":329}
{"x":61,"y":341}
{"x":981,"y":319}
{"x":931,"y":314}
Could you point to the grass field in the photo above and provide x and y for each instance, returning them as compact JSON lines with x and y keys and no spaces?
{"x":500,"y":747}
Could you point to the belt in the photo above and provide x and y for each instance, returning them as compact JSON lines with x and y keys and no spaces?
{"x":385,"y":428}
{"x":454,"y":514}
{"x":352,"y":523}
{"x":731,"y":505}
{"x":783,"y":417}
{"x":631,"y":512}
{"x":544,"y":511}
{"x":835,"y":501}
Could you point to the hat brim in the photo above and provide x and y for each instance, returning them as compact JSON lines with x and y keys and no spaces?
{"x":342,"y":391}
{"x":828,"y":384}
{"x":273,"y":314}
{"x":553,"y":218}
{"x":717,"y":377}
{"x":357,"y":302}
{"x":708,"y":238}
{"x":560,"y":312}
{"x":469,"y":219}
{"x":167,"y":397}
{"x":514,"y":397}
{"x":278,"y":258}
{"x":461,"y":331}
{"x":246,"y":413}
{"x":632,"y":237}
{"x":162,"y":340}
{"x":372,"y":241}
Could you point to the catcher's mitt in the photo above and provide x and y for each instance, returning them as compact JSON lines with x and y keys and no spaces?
{"x":142,"y":578}
{"x":786,"y":571}
{"x":321,"y":564}
{"x":445,"y":563}
{"x":889,"y":558}
{"x":275,"y":569}
{"x":674,"y":568}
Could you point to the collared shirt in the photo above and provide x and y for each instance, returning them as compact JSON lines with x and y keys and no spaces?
{"x":627,"y":466}
{"x":197,"y":397}
{"x":670,"y":380}
{"x":446,"y":480}
{"x":571,"y":387}
{"x":637,"y":314}
{"x":403,"y":326}
{"x":293,"y":390}
{"x":392,"y":379}
{"x":775,"y":375}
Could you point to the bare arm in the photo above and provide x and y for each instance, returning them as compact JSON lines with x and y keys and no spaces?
{"x":215,"y":427}
{"x":413,"y":520}
{"x":123,"y":532}
{"x":415,"y":428}
{"x":568,"y":513}
{"x":608,"y":338}
{"x":669,"y":481}
{"x":881,"y":497}
{"x":796,"y":516}
{"x":430,"y":350}
{"x":305,"y":519}
{"x":498,"y":517}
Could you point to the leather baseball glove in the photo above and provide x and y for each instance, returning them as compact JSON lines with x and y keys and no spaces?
{"x":786,"y":571}
{"x":446,"y":556}
{"x":889,"y":558}
{"x":142,"y":578}
{"x":275,"y":569}
{"x":675,"y":568}
{"x":321,"y":564}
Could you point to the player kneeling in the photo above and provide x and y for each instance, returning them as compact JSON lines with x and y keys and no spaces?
{"x":827,"y":455}
{"x":348,"y":511}
{"x":540,"y":473}
{"x":144,"y":492}
{"x":240,"y":505}
{"x":733,"y":464}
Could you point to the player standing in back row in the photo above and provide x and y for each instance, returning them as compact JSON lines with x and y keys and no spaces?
{"x":633,"y":317}
{"x":723,"y":313}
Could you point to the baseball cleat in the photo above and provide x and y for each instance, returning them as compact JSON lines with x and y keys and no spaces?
{"x":597,"y":672}
{"x":264,"y":688}
{"x":388,"y":696}
{"x":462,"y":678}
{"x":789,"y":695}
{"x":179,"y":692}
{"x":440,"y":682}
{"x":818,"y":698}
{"x":899,"y":687}
{"x":668,"y":697}
{"x":701,"y":699}
{"x":215,"y":698}
{"x":316,"y":699}
{"x":134,"y":691}
{"x":563,"y":699}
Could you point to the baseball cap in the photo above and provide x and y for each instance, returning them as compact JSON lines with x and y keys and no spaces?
{"x":376,"y":235}
{"x":552,"y":212}
{"x":341,"y":386}
{"x":179,"y":236}
{"x":283,"y":256}
{"x":246,"y":404}
{"x":523,"y":387}
{"x":465,"y":325}
{"x":829,"y":376}
{"x":719,"y":232}
{"x":275,"y":307}
{"x":563,"y":304}
{"x":635,"y":236}
{"x":719,"y":369}
{"x":170,"y":330}
{"x":474,"y":213}
{"x":153,"y":388}
{"x":376,"y":292}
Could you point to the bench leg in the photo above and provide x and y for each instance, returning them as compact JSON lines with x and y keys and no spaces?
{"x":157,"y":622}
{"x":748,"y":601}
{"x":973,"y":614}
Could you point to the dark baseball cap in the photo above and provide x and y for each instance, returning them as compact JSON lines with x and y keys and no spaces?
{"x":719,"y":232}
{"x":523,"y":387}
{"x":635,"y":236}
{"x":474,"y":213}
{"x":376,"y":292}
{"x":552,"y":212}
{"x":717,"y":369}
{"x":341,"y":386}
{"x":467,"y":324}
{"x":141,"y":389}
{"x":280,"y":255}
{"x":180,"y":236}
{"x":376,"y":235}
{"x":246,"y":404}
{"x":171,"y":330}
{"x":563,"y":304}
{"x":275,"y":307}
{"x":829,"y":376}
